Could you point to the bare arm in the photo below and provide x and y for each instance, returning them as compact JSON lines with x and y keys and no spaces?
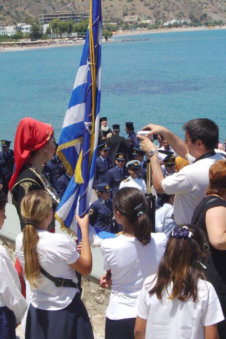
{"x":147,"y":145}
{"x":140,"y":328}
{"x":84,"y":263}
{"x":211,"y":332}
{"x":216,"y":227}
{"x":175,"y":142}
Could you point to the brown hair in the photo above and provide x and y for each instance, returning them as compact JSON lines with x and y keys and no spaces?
{"x":181,"y":266}
{"x":217,"y":179}
{"x":132,"y":204}
{"x":35,"y":208}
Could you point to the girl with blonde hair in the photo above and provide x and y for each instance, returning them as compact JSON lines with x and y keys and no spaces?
{"x":49,"y":261}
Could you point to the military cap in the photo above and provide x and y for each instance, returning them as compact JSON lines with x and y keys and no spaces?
{"x":133,"y":165}
{"x":169,"y":160}
{"x":104,"y":146}
{"x":129,"y":125}
{"x":103,"y":119}
{"x":116,"y":127}
{"x":102,"y":187}
{"x":135,"y":151}
{"x":5,"y":142}
{"x":120,"y":157}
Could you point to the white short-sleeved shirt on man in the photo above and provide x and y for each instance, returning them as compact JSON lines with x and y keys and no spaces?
{"x":171,"y":319}
{"x":189,"y":186}
{"x":56,"y":252}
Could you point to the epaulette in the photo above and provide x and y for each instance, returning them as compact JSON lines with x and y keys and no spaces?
{"x":126,"y":180}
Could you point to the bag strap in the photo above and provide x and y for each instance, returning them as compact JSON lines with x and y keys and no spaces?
{"x":59,"y":282}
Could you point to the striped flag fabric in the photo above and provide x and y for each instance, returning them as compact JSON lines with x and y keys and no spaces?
{"x":77,"y":146}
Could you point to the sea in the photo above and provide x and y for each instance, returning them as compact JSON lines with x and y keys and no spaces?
{"x":164,"y":78}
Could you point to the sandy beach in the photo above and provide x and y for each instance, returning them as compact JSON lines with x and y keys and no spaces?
{"x":140,"y":31}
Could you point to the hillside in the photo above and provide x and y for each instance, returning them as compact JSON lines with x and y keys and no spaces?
{"x":13,"y":11}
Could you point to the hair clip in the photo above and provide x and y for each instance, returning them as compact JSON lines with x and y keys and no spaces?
{"x":138,"y":207}
{"x":140,"y":213}
{"x":181,"y":232}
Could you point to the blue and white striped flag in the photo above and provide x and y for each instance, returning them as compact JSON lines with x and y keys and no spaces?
{"x":79,"y":136}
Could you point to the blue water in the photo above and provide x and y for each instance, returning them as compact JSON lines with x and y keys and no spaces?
{"x":164,"y":78}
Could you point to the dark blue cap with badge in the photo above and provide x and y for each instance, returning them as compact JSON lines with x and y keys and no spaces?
{"x":5,"y":142}
{"x":120,"y":156}
{"x":103,"y":146}
{"x":169,"y":160}
{"x":102,"y":187}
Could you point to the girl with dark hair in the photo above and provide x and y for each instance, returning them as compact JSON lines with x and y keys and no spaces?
{"x":49,"y":261}
{"x":129,"y":259}
{"x":12,"y":303}
{"x":178,"y":302}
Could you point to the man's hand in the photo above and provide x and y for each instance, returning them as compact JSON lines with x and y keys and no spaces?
{"x":155,"y":129}
{"x":146,"y":144}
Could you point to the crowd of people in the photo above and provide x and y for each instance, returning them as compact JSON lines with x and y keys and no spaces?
{"x":167,"y":284}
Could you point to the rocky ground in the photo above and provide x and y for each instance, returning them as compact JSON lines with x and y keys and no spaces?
{"x":94,"y":297}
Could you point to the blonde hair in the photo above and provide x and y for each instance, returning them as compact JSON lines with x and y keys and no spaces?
{"x":35,"y":208}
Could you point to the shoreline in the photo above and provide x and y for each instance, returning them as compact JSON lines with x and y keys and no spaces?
{"x":123,"y":33}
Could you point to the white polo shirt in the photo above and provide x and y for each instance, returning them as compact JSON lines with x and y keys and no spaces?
{"x":189,"y":186}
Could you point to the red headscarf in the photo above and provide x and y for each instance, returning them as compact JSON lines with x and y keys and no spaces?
{"x":31,"y":135}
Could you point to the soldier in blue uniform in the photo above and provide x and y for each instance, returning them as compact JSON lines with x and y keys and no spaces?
{"x":103,"y":164}
{"x":61,"y":184}
{"x":132,"y":140}
{"x":101,"y":210}
{"x":53,"y":169}
{"x":118,"y":173}
{"x":6,"y":163}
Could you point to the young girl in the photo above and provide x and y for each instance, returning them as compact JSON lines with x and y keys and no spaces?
{"x":178,"y":302}
{"x":129,"y":258}
{"x":49,"y":261}
{"x":12,"y":303}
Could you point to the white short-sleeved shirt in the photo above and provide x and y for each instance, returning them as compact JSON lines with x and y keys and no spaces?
{"x":10,"y":295}
{"x":170,"y":319}
{"x":136,"y":183}
{"x":164,"y":219}
{"x":130,"y":263}
{"x":189,"y":186}
{"x":56,"y":252}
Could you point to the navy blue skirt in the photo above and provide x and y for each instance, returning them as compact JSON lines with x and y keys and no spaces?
{"x":7,"y":323}
{"x":120,"y":329}
{"x":71,"y":322}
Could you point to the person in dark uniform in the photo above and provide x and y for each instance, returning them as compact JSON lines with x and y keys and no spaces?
{"x":62,"y":183}
{"x":6,"y":164}
{"x":101,"y":210}
{"x":105,"y":132}
{"x":117,"y":143}
{"x":103,"y":164}
{"x":53,"y":169}
{"x":118,"y":173}
{"x":132,"y":140}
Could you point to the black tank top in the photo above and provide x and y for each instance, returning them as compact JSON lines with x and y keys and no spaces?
{"x":216,"y":259}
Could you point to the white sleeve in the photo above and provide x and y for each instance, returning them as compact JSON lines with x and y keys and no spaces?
{"x":213,"y":313}
{"x":144,"y":186}
{"x":108,"y":253}
{"x":10,"y":289}
{"x":66,"y":250}
{"x":142,"y":305}
{"x":176,"y":183}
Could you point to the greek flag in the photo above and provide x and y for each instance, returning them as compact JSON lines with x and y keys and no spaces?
{"x":77,"y":146}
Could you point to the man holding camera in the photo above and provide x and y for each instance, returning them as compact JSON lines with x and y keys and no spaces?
{"x":188,"y":185}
